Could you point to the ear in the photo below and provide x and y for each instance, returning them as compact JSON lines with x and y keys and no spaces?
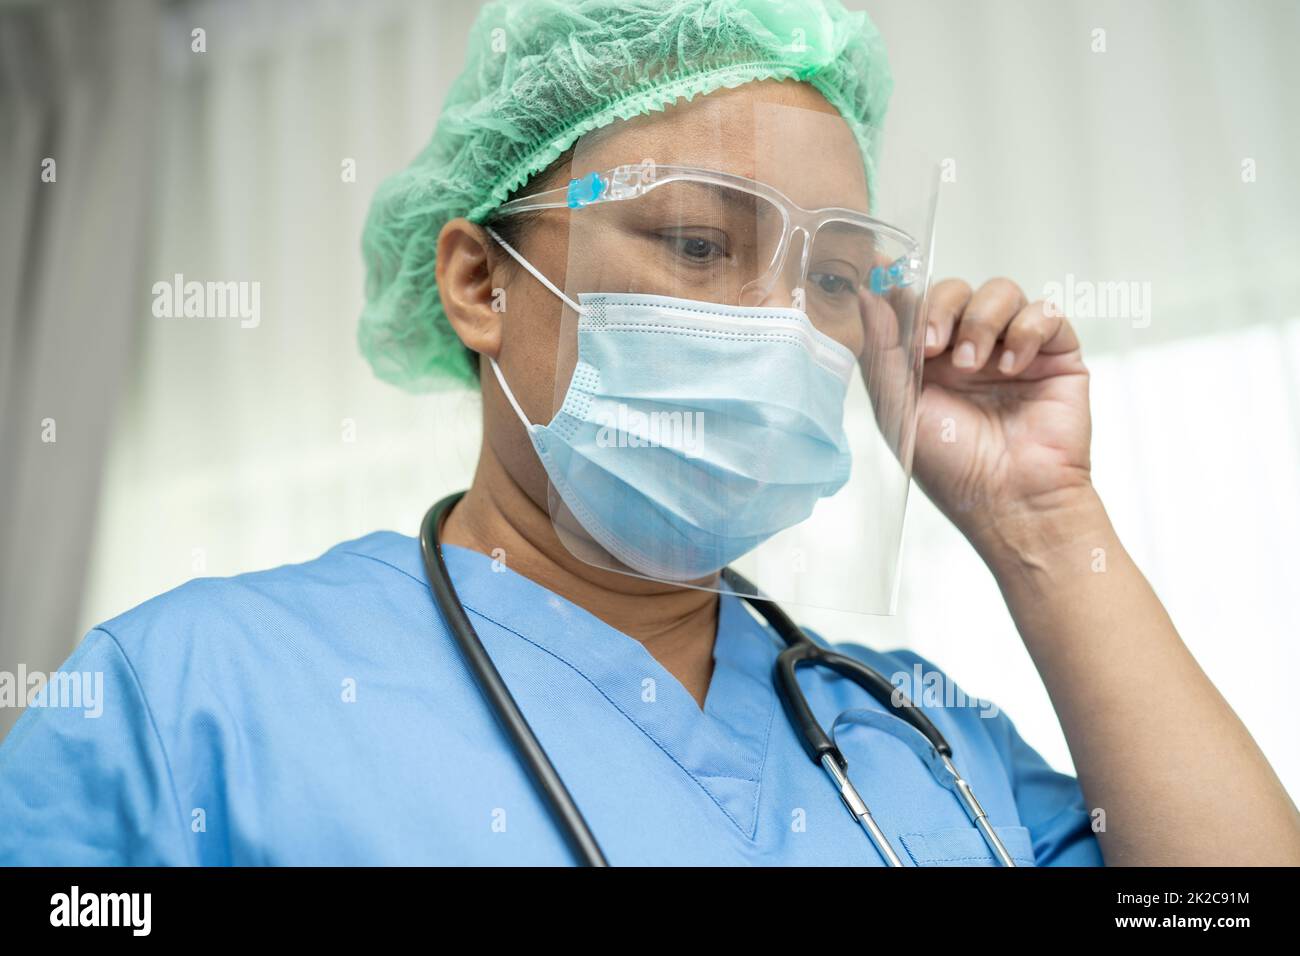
{"x":465,"y":284}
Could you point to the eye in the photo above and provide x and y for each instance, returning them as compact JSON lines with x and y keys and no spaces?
{"x":695,"y":248}
{"x":832,"y":284}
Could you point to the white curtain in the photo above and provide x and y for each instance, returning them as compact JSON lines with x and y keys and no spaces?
{"x":247,"y":447}
{"x":76,"y":132}
{"x":1111,"y":156}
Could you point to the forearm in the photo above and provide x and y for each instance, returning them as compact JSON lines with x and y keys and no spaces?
{"x":1155,"y":745}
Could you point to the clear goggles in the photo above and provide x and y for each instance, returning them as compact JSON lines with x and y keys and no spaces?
{"x":713,"y":236}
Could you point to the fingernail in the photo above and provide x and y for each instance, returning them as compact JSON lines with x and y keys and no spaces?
{"x":931,"y":336}
{"x":1007,"y":362}
{"x":964,"y":357}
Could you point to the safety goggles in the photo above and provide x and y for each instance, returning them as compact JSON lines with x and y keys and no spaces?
{"x":729,"y":239}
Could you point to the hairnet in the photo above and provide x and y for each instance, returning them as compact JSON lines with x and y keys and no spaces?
{"x":541,"y":73}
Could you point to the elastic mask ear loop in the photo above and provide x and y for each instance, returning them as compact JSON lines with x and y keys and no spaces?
{"x":510,"y":396}
{"x":529,"y":266}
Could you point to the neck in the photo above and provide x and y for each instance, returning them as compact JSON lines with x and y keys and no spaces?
{"x":677,"y":625}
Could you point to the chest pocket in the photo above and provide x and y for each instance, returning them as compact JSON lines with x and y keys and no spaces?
{"x":964,"y":846}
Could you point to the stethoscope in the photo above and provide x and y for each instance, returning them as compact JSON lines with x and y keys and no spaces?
{"x":914,"y":729}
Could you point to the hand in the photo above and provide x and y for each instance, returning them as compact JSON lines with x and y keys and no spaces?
{"x":1003,"y":425}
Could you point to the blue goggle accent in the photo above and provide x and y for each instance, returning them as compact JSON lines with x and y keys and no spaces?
{"x":585,"y":190}
{"x":898,"y":274}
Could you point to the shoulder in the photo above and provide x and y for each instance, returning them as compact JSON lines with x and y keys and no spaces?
{"x":366,"y":563}
{"x":291,"y":613}
{"x":211,"y":696}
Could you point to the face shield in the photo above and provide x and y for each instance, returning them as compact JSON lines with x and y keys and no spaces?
{"x":739,"y":355}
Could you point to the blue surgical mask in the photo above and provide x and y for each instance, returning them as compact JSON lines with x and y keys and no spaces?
{"x":692,"y":432}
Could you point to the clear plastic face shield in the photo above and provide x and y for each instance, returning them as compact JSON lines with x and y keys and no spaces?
{"x":739,"y":354}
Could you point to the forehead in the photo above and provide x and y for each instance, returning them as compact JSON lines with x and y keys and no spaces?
{"x":784,"y":134}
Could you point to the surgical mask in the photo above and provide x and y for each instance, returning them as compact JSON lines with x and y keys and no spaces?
{"x":691,"y":432}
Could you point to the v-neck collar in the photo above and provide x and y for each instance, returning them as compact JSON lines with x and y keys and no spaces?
{"x":722,"y":747}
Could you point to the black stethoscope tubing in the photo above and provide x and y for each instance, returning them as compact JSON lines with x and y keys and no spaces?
{"x":545,"y":777}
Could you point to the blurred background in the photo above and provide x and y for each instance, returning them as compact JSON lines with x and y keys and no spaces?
{"x":1149,"y":144}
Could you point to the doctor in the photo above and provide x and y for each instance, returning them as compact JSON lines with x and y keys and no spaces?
{"x":323,"y":714}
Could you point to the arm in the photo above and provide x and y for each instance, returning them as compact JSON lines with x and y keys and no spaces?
{"x":1003,"y":449}
{"x":1154,"y":743}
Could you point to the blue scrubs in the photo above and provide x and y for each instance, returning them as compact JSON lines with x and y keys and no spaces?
{"x":321,"y":714}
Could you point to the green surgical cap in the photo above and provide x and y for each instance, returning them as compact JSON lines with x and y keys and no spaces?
{"x":541,"y":73}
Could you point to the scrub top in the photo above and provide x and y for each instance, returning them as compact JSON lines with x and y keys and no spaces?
{"x":320,"y":713}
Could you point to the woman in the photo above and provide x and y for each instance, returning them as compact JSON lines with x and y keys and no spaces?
{"x":323,"y":713}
